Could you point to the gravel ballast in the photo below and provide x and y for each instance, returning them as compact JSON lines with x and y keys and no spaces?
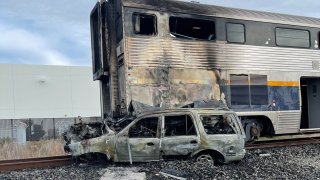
{"x":296,"y":162}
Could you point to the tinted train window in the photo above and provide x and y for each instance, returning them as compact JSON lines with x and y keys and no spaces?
{"x":258,"y":89}
{"x":95,"y":39}
{"x":144,"y":24}
{"x":235,"y":33}
{"x":292,"y":37}
{"x":243,"y":93}
{"x":239,"y":86}
{"x":192,"y":28}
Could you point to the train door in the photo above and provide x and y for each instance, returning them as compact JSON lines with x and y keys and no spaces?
{"x":310,"y":96}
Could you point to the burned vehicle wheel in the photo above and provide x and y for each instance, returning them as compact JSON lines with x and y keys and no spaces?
{"x":206,"y":158}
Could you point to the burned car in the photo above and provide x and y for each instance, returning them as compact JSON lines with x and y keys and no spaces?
{"x":209,"y":135}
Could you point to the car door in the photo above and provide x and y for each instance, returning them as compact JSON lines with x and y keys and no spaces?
{"x":179,"y":135}
{"x":223,"y":132}
{"x":140,"y":141}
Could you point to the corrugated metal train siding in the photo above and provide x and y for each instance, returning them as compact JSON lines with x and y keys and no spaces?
{"x":289,"y":122}
{"x":201,"y":54}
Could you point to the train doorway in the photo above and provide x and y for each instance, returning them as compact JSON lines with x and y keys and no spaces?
{"x":310,"y":97}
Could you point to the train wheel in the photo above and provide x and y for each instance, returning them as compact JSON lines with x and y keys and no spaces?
{"x":253,"y":131}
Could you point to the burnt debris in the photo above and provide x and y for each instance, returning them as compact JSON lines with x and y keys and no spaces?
{"x":87,"y":130}
{"x":82,"y":131}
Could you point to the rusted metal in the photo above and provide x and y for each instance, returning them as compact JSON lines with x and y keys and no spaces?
{"x":43,"y":162}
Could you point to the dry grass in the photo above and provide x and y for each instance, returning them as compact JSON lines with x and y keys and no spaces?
{"x":44,"y":148}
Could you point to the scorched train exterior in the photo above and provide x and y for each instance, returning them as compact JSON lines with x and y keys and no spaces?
{"x":167,"y":54}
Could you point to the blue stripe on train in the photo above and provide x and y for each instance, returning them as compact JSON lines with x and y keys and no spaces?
{"x":286,"y":97}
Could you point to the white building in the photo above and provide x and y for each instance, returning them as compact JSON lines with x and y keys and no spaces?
{"x":38,"y":91}
{"x":49,"y":97}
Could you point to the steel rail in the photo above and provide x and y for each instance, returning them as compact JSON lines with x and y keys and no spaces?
{"x":283,"y":143}
{"x":43,"y":162}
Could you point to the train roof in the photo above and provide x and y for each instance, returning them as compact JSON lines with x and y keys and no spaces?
{"x":219,"y":11}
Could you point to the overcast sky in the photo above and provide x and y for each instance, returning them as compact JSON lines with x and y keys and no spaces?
{"x":56,"y":32}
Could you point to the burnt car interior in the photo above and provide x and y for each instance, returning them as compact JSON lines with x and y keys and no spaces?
{"x":180,"y":125}
{"x":218,"y":124}
{"x":144,"y":128}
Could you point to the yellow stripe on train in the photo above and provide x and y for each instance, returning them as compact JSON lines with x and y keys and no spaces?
{"x":283,"y":83}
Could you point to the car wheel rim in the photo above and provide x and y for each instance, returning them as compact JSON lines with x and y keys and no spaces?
{"x":205,"y":158}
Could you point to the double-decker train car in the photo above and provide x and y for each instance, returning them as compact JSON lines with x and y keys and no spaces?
{"x":165,"y":53}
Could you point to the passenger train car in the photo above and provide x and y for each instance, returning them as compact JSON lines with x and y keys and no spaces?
{"x":165,"y":53}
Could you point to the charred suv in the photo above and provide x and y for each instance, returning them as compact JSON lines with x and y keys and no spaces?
{"x":209,"y":135}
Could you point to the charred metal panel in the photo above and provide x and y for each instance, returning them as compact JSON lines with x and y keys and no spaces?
{"x":168,"y":87}
{"x":144,"y":149}
{"x":122,"y":89}
{"x":218,"y":11}
{"x":92,"y":145}
{"x":113,"y":69}
{"x":179,"y":145}
{"x":122,"y":150}
{"x":223,"y":143}
{"x":106,"y":107}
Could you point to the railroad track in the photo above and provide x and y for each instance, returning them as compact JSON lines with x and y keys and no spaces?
{"x":43,"y":162}
{"x":282,"y":143}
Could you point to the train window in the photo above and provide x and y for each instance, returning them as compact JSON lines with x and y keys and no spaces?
{"x":235,"y":33}
{"x":95,"y":39}
{"x":245,"y":93}
{"x":292,"y":37}
{"x":258,"y":89}
{"x":144,"y":24}
{"x":192,"y":28}
{"x":239,"y":86}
